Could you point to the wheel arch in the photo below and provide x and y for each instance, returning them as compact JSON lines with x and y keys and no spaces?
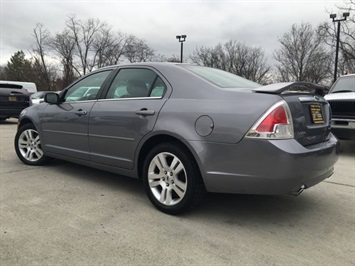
{"x":25,"y":121}
{"x":163,"y":138}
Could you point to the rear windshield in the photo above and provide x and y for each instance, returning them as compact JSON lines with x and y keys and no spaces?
{"x":221,"y":78}
{"x":10,"y":86}
{"x":344,"y":84}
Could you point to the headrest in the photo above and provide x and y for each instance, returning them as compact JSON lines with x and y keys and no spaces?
{"x":136,"y":88}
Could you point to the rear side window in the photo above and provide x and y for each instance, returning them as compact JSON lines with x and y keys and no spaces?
{"x":158,"y":89}
{"x":136,"y":83}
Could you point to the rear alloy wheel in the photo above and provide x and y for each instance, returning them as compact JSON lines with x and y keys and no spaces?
{"x":171,"y":178}
{"x":28,"y":146}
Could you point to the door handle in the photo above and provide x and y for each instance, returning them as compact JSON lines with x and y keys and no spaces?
{"x":80,"y":112}
{"x":145,"y":112}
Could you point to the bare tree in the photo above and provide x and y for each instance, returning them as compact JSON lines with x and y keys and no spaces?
{"x":97,"y":46}
{"x":64,"y":46}
{"x":209,"y":56}
{"x":302,"y":55}
{"x":137,"y":50}
{"x":235,"y":57}
{"x":347,"y":38}
{"x":45,"y":72}
{"x":109,"y":48}
{"x":173,"y":58}
{"x":84,"y":34}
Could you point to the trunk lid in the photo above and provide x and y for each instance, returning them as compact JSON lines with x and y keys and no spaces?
{"x":310,"y":111}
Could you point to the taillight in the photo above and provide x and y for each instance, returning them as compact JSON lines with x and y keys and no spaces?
{"x":276,"y":123}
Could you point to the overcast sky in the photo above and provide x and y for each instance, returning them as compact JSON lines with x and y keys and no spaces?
{"x":257,"y":23}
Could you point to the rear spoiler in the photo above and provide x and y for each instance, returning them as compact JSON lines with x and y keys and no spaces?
{"x":293,"y":88}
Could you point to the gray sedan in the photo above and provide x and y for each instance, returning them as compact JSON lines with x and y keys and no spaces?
{"x":185,"y":129}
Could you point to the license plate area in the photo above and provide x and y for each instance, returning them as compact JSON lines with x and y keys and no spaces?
{"x":12,"y":99}
{"x":316,"y":114}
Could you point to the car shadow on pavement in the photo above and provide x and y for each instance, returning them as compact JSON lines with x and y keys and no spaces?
{"x":8,"y":122}
{"x":232,"y":209}
{"x":248,"y":206}
{"x":97,"y":176}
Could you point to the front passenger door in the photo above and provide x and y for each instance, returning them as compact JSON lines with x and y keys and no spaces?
{"x":65,"y":125}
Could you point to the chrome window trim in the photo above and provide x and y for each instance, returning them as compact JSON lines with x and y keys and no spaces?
{"x":86,"y":101}
{"x":133,"y":98}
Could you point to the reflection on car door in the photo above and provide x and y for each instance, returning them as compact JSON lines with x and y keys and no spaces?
{"x":119,"y":122}
{"x":65,"y":126}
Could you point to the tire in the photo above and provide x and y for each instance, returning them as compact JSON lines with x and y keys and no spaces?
{"x":28,"y":146}
{"x":172,"y":179}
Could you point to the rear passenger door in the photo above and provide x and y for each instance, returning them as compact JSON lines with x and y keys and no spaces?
{"x":128,"y":111}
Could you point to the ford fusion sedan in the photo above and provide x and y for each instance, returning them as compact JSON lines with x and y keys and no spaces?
{"x":184,"y":130}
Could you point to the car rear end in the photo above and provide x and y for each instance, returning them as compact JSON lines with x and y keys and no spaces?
{"x":13,"y":99}
{"x":288,"y":149}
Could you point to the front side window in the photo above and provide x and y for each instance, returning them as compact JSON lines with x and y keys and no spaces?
{"x":87,"y":88}
{"x":136,"y":83}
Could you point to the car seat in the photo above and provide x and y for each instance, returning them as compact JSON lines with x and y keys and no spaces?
{"x":135,"y":88}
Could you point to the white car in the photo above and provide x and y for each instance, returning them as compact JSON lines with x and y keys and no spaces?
{"x":37,"y":97}
{"x":29,"y":86}
{"x":341,"y":98}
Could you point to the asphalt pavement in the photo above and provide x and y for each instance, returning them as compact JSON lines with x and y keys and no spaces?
{"x":66,"y":214}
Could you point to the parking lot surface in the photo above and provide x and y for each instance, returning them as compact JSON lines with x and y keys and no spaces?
{"x":66,"y":214}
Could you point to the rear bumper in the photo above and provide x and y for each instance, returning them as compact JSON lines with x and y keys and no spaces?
{"x":265,"y":167}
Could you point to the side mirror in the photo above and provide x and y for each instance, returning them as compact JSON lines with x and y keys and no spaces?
{"x":51,"y":98}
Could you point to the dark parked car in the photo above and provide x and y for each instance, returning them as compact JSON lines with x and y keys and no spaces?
{"x":185,"y":129}
{"x":341,"y":98}
{"x":13,"y":99}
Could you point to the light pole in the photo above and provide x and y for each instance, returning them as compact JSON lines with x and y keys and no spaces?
{"x":333,"y":16}
{"x":181,"y":39}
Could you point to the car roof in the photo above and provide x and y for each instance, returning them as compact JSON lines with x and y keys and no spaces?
{"x":347,"y":75}
{"x":151,"y":64}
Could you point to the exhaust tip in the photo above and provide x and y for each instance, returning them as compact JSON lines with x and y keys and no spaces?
{"x":299,"y":191}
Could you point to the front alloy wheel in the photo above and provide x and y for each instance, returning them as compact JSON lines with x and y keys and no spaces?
{"x":28,"y":146}
{"x":171,"y":178}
